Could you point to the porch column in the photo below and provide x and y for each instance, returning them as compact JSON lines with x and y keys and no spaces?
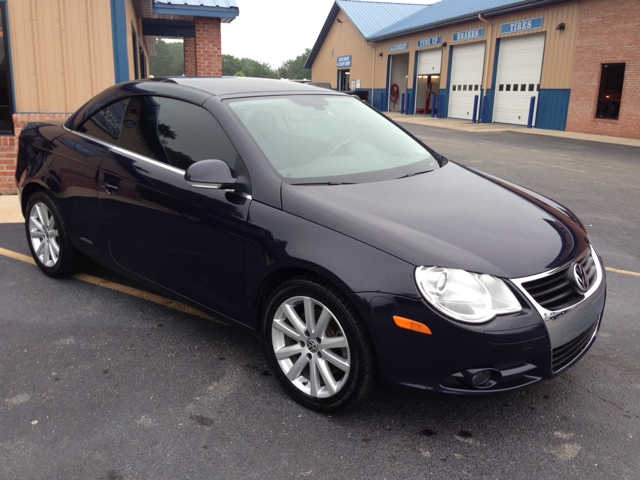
{"x":207,"y":46}
{"x":190,"y":56}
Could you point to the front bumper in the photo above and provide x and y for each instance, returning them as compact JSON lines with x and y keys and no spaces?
{"x":518,"y":350}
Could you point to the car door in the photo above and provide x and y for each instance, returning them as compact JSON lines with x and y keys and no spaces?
{"x":76,"y":161}
{"x":184,"y":238}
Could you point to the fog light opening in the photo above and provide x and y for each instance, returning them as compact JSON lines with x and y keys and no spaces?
{"x":482,"y":378}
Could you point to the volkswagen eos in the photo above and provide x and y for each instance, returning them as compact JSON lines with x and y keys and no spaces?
{"x":357,"y":253}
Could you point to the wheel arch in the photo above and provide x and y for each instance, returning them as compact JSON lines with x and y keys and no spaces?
{"x":27,"y":192}
{"x":286,"y":273}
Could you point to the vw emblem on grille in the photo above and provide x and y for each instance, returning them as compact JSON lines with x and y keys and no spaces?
{"x":581,"y":277}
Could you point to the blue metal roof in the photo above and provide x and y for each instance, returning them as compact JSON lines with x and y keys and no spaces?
{"x":367,"y":17}
{"x":372,"y":17}
{"x":379,"y":21}
{"x":449,"y":10}
{"x":226,"y":10}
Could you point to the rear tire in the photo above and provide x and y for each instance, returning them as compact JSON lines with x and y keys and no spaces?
{"x":48,"y":238}
{"x":317,"y":345}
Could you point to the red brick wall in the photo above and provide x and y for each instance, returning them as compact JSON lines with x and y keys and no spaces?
{"x":208,"y":47}
{"x":190,"y":57}
{"x":608,"y":32}
{"x":8,"y":151}
{"x":9,"y":146}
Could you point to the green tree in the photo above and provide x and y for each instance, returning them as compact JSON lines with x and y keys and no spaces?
{"x":168,"y":60}
{"x":294,"y":68}
{"x":248,"y":67}
{"x":230,"y":65}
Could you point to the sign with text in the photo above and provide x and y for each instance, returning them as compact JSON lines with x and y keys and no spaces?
{"x":344,"y":61}
{"x":468,"y":34}
{"x":399,"y":46}
{"x":427,"y":42}
{"x":521,"y":25}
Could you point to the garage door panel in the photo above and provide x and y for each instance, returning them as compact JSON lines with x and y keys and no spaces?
{"x":519,"y":65}
{"x":429,"y":62}
{"x":467,"y":67}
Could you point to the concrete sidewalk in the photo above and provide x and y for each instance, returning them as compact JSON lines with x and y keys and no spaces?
{"x":10,"y":209}
{"x":467,"y":126}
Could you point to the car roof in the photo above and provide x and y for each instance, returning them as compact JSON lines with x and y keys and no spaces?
{"x":221,"y":86}
{"x":193,"y":89}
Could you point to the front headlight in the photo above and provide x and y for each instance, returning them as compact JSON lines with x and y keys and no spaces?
{"x":464,"y":296}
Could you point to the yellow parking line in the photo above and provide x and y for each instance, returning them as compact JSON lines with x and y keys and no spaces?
{"x":625,"y":272}
{"x":17,"y":256}
{"x":181,"y":307}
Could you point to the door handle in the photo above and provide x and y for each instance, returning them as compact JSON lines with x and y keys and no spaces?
{"x":110,"y":188}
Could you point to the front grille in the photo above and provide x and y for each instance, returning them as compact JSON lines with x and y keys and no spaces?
{"x":557,"y":291}
{"x":565,"y":354}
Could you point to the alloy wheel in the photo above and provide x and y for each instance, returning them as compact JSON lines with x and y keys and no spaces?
{"x":43,"y":234}
{"x":310,"y":347}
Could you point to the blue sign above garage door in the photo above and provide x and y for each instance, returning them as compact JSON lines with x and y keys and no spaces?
{"x":468,"y":34}
{"x":426,"y":42}
{"x":521,"y":25}
{"x":344,"y":61}
{"x":399,"y":46}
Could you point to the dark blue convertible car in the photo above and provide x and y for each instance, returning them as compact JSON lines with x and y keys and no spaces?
{"x":306,"y":217}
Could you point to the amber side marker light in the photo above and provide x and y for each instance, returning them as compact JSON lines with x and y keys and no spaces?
{"x":411,"y":325}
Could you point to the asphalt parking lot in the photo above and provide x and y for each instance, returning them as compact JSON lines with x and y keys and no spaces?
{"x":114,"y":383}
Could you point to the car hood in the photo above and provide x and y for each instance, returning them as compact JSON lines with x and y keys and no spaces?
{"x":451,"y":217}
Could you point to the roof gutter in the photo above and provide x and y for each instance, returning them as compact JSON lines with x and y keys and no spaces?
{"x":525,"y":5}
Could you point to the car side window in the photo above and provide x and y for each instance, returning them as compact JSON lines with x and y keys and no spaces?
{"x":174,"y":132}
{"x":107,"y":123}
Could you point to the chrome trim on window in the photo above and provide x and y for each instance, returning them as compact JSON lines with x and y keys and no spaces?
{"x":551,"y":314}
{"x":89,"y":137}
{"x":124,"y":151}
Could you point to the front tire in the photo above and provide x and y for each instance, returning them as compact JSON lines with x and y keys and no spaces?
{"x":48,"y":238}
{"x":317,"y":346}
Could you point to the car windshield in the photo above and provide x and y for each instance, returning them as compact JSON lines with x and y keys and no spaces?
{"x":311,"y":139}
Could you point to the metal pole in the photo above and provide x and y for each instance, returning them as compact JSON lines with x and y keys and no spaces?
{"x":484,"y":110}
{"x":475,"y":108}
{"x":433,"y":105}
{"x":402,"y":105}
{"x":531,"y":107}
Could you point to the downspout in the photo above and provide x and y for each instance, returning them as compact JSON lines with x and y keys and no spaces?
{"x":373,"y":70}
{"x":486,"y":70}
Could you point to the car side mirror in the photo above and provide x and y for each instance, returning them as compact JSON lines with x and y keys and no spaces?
{"x":210,"y":174}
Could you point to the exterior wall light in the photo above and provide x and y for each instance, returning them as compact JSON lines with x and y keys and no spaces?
{"x":444,"y":44}
{"x":560,"y":26}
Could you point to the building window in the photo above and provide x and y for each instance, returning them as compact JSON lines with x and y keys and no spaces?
{"x":610,"y":95}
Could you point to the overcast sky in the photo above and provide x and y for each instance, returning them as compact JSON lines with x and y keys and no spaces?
{"x":278,"y":30}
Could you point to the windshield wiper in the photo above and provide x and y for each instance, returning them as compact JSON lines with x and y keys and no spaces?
{"x":414,"y":174}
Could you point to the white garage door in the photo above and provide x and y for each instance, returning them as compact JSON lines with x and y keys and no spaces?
{"x":466,"y":78}
{"x":429,"y":61}
{"x":518,"y":78}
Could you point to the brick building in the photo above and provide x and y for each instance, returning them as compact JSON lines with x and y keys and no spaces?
{"x":619,"y":23}
{"x":553,"y":64}
{"x":57,"y":54}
